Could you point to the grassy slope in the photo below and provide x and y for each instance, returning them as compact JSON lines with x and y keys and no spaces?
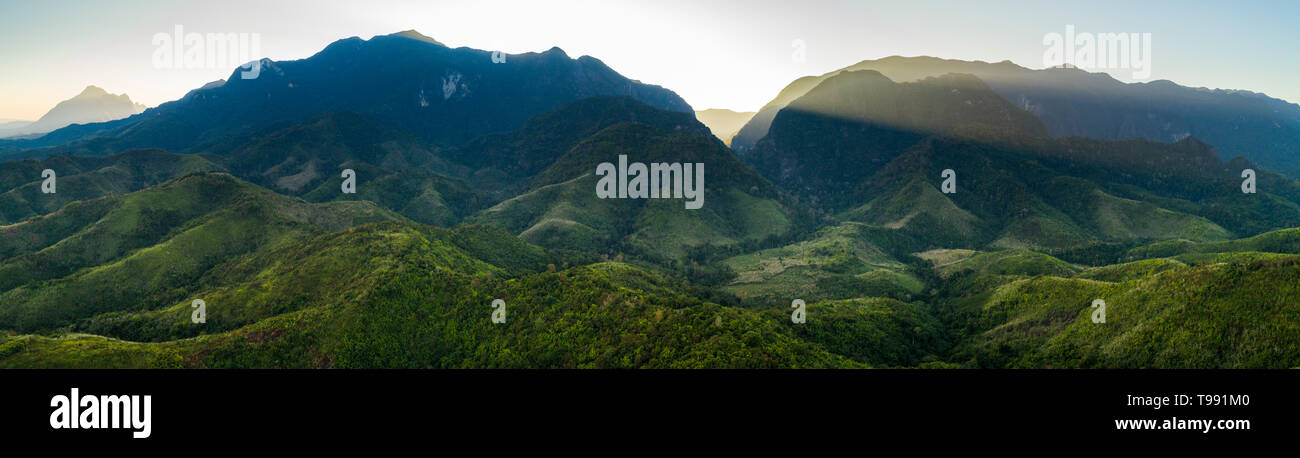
{"x":287,"y":284}
{"x":402,"y":295}
{"x":154,"y":247}
{"x":1011,"y":262}
{"x":86,"y":178}
{"x":420,"y":299}
{"x":839,"y":262}
{"x":1006,"y":200}
{"x":604,"y":315}
{"x":1160,"y":314}
{"x":562,"y":210}
{"x":1279,"y":241}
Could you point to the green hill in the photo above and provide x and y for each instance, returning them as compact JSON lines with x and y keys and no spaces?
{"x":151,"y":248}
{"x":839,"y":262}
{"x":562,"y":210}
{"x":864,"y":148}
{"x":875,"y":331}
{"x":1279,"y":241}
{"x":289,"y":283}
{"x":1008,"y":199}
{"x":1239,"y":314}
{"x":604,"y":315}
{"x":508,"y":160}
{"x":840,"y":133}
{"x":1011,"y":262}
{"x":85,"y":178}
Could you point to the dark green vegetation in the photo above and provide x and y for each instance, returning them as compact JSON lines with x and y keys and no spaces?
{"x":85,"y":178}
{"x":851,"y":149}
{"x":463,"y":198}
{"x":282,"y":291}
{"x":1237,"y":311}
{"x":151,"y":248}
{"x":561,"y":209}
{"x":838,"y":262}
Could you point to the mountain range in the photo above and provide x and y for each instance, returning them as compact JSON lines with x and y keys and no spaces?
{"x":928,"y":220}
{"x":1074,"y":103}
{"x":92,"y":105}
{"x":444,"y":96}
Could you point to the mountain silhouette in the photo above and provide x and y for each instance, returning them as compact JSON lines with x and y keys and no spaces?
{"x":92,"y":105}
{"x":853,"y":123}
{"x":1075,"y":103}
{"x":443,"y":95}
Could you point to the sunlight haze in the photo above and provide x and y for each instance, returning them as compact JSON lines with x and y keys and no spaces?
{"x":717,"y":54}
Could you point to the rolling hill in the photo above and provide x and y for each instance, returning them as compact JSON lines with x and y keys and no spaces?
{"x":866,"y":149}
{"x":150,"y":248}
{"x":561,"y":209}
{"x":1233,"y":314}
{"x":85,"y":178}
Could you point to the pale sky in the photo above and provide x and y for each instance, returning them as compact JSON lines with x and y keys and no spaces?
{"x":714,"y":53}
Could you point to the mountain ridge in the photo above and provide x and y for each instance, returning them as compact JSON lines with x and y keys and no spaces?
{"x":445,"y":96}
{"x":92,"y":105}
{"x":1073,"y":102}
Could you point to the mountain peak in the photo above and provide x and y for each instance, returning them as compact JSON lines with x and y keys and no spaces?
{"x":404,"y":79}
{"x":92,"y":91}
{"x":555,"y":51}
{"x":414,"y":35}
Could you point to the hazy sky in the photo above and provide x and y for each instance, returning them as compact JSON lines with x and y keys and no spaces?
{"x":714,"y":53}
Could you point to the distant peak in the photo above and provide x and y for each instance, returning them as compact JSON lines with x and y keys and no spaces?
{"x":556,"y":51}
{"x":1067,"y":68}
{"x":1165,"y":84}
{"x":412,"y":34}
{"x":92,"y":91}
{"x":908,"y":58}
{"x":869,"y":75}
